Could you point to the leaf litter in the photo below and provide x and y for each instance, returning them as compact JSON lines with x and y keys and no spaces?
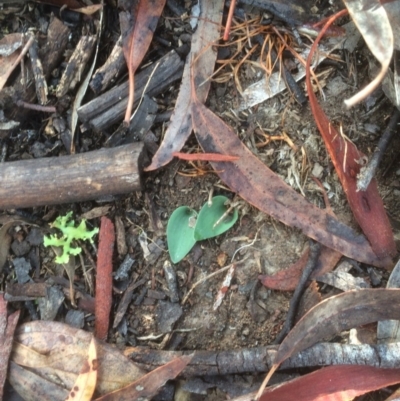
{"x":324,"y":227}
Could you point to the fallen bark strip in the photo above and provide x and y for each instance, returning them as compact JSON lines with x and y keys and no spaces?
{"x":259,"y":359}
{"x":74,"y":178}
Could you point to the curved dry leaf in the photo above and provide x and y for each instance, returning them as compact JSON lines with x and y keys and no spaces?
{"x":31,"y":386}
{"x":339,"y":313}
{"x":204,"y":57}
{"x":148,"y":385}
{"x":257,"y":184}
{"x":85,"y":384}
{"x":56,"y":348}
{"x":373,"y":23}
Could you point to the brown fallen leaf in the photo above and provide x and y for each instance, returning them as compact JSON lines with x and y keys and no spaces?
{"x":85,"y":383}
{"x":257,"y":184}
{"x":367,"y":206}
{"x":148,"y":385}
{"x":51,"y":348}
{"x":7,"y":327}
{"x":180,"y":127}
{"x":334,"y":383}
{"x":146,"y":14}
{"x":334,"y":315}
{"x":287,"y":279}
{"x":33,"y":387}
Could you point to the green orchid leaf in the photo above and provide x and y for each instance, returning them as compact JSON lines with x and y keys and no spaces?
{"x":180,"y":233}
{"x":209,"y":223}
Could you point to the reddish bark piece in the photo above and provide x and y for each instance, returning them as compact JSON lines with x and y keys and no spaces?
{"x":257,"y":184}
{"x":7,"y":327}
{"x":208,"y":157}
{"x":287,"y":279}
{"x":146,"y":14}
{"x":148,"y":385}
{"x":334,"y":383}
{"x":104,"y":277}
{"x":367,"y":206}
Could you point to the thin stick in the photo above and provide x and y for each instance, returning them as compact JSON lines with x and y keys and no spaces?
{"x":368,"y":172}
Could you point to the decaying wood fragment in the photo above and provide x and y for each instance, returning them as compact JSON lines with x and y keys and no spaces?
{"x":110,"y":107}
{"x":37,"y":68}
{"x":76,"y":64}
{"x":74,"y":178}
{"x":113,"y":67}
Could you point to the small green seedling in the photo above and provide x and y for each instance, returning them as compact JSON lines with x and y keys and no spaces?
{"x":70,"y":233}
{"x":185,"y":227}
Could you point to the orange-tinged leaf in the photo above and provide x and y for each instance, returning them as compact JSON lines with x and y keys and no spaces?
{"x":146,"y":13}
{"x":148,"y":385}
{"x":367,"y":206}
{"x":85,"y":384}
{"x":258,"y":185}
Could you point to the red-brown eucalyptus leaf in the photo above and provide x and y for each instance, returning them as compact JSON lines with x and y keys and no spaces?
{"x":148,"y":385}
{"x":334,"y":383}
{"x":287,"y":279}
{"x":338,"y":313}
{"x":367,"y":206}
{"x":146,"y":14}
{"x":201,"y":61}
{"x":258,"y":185}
